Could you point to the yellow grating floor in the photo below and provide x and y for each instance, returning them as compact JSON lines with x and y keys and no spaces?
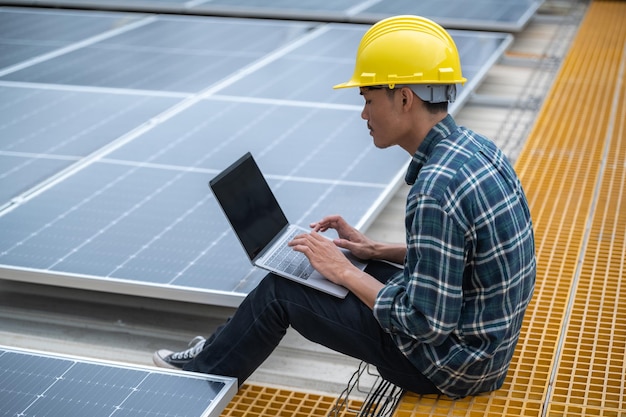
{"x":575,"y":328}
{"x":560,"y":167}
{"x":255,"y":400}
{"x":591,"y":373}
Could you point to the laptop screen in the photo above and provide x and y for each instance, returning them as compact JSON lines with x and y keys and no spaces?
{"x":249,"y":204}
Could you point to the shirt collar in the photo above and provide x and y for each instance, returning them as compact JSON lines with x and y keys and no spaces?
{"x":440,"y":131}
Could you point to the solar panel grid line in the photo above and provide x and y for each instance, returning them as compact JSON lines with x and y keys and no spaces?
{"x":286,"y":103}
{"x":276,"y":177}
{"x":95,"y":89}
{"x":36,"y":155}
{"x":78,"y":45}
{"x":325,"y":181}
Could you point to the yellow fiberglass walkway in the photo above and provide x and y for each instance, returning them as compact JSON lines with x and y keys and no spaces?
{"x":570,"y":360}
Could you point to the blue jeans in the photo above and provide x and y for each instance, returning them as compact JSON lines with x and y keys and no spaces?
{"x":347,"y":325}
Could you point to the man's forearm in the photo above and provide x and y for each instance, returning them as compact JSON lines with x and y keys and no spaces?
{"x":391,"y":252}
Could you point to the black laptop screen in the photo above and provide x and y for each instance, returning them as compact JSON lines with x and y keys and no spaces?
{"x":249,"y":204}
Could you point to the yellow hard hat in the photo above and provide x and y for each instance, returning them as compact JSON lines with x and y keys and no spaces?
{"x":405,"y":50}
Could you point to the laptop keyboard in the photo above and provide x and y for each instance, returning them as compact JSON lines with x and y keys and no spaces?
{"x":286,"y":259}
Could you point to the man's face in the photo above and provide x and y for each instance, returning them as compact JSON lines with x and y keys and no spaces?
{"x":382,"y":113}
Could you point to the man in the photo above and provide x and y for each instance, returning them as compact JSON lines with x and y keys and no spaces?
{"x":449,"y":319}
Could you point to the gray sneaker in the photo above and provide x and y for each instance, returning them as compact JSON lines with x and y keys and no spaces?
{"x":164,"y":358}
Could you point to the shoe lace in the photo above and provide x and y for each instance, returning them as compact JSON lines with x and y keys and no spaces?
{"x":195,"y":346}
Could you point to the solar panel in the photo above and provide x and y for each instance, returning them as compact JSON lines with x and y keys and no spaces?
{"x":505,"y":15}
{"x":42,"y":384}
{"x":47,"y":130}
{"x":163,"y":54}
{"x":24,"y":36}
{"x":105,"y":181}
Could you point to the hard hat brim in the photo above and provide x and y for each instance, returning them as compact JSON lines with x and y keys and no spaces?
{"x":352,"y":84}
{"x":347,"y":84}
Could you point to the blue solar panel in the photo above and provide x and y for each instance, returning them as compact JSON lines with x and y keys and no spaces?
{"x":47,"y":130}
{"x":26,"y":34}
{"x":46,"y":385}
{"x":165,"y":54}
{"x":129,"y":152}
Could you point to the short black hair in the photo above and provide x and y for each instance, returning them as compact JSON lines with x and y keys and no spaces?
{"x":432,"y":108}
{"x":435,"y":108}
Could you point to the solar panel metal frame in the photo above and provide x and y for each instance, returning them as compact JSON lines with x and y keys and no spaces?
{"x":213,"y":409}
{"x":358,"y":15}
{"x":462,"y":21}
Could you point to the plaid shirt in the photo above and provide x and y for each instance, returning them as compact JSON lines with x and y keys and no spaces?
{"x":469,"y":272}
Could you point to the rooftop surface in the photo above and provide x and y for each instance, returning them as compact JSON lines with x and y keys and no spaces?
{"x":505,"y":107}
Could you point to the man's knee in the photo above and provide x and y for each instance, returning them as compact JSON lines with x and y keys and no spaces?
{"x":275,"y":288}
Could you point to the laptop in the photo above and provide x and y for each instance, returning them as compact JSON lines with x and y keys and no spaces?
{"x":262,"y":227}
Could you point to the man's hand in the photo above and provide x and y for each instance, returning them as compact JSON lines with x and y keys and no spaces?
{"x":329,"y":261}
{"x":360,"y":245}
{"x":349,"y":238}
{"x":325,"y":257}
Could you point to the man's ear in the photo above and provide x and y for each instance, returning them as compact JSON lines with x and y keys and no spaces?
{"x":407,"y":97}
